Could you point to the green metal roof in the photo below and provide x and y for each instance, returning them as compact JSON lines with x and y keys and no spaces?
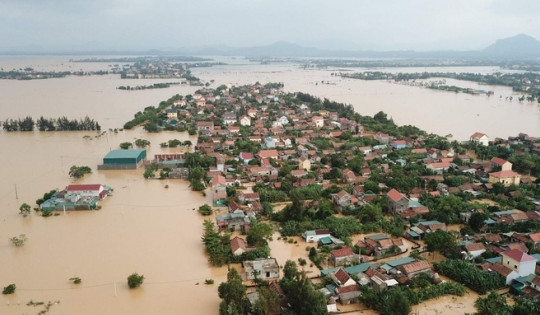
{"x":352,"y":270}
{"x":123,"y":154}
{"x":326,"y":240}
{"x":400,"y":261}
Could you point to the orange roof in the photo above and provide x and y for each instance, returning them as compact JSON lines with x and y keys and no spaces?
{"x":535,"y":237}
{"x":416,"y":266}
{"x":345,"y":251}
{"x":474,"y":247}
{"x":498,"y":161}
{"x":394,"y":195}
{"x":500,"y":269}
{"x":504,"y":174}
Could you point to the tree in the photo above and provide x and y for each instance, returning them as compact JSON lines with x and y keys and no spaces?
{"x":259,"y":233}
{"x":10,"y":289}
{"x":233,"y":294}
{"x":476,"y":221}
{"x":493,"y":304}
{"x":79,"y":171}
{"x":142,"y":143}
{"x":126,"y":145}
{"x":304,"y":299}
{"x":268,"y":302}
{"x":205,"y":210}
{"x":24,"y":210}
{"x":395,"y":302}
{"x":441,"y":241}
{"x":149,"y":173}
{"x":135,"y":280}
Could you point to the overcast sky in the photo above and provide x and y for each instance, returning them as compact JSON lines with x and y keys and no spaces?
{"x":346,"y":24}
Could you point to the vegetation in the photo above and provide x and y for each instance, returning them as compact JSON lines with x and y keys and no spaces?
{"x":126,"y":145}
{"x":50,"y":124}
{"x":79,"y":171}
{"x":75,"y":280}
{"x":147,"y":87}
{"x":19,"y":241}
{"x":399,"y":300}
{"x":10,"y":289}
{"x":142,"y":143}
{"x":135,"y":280}
{"x":46,"y":196}
{"x":25,"y":209}
{"x":303,"y":297}
{"x":463,"y":272}
{"x":233,"y":295}
{"x":205,"y":210}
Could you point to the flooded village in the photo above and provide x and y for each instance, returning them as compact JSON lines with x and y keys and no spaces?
{"x":292,"y":202}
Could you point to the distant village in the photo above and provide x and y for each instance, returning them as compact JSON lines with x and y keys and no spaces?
{"x":371,"y":201}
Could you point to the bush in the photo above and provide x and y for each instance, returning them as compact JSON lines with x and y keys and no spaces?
{"x":18,"y":241}
{"x":76,"y":280}
{"x":209,"y":281}
{"x":205,"y":209}
{"x":135,"y":280}
{"x":10,"y":289}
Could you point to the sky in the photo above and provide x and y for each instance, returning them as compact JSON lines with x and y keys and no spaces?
{"x":74,"y":25}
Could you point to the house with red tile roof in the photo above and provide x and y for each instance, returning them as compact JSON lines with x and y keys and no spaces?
{"x":342,"y":199}
{"x":519,"y":262}
{"x":502,"y":164}
{"x":415,"y":268}
{"x":474,"y":250}
{"x":397,"y":202}
{"x":506,"y":178}
{"x":480,"y":138}
{"x":344,"y":256}
{"x":239,"y":246}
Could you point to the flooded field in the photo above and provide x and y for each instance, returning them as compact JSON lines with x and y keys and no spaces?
{"x":145,"y":227}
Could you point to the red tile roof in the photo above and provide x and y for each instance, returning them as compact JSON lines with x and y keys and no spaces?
{"x":500,"y":269}
{"x":394,"y":195}
{"x":345,"y":251}
{"x":416,"y":266}
{"x":474,"y":247}
{"x":83,"y":187}
{"x":504,"y":174}
{"x":342,"y":276}
{"x":518,"y":255}
{"x":535,"y":237}
{"x":498,"y":161}
{"x":347,"y":289}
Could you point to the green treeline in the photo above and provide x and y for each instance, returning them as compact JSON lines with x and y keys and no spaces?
{"x":464,"y":272}
{"x":50,"y":124}
{"x":147,"y":87}
{"x":522,"y":82}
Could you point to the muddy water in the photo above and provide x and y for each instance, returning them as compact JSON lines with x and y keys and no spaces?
{"x":144,"y":227}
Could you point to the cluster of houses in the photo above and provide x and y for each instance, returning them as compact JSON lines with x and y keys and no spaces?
{"x":77,"y":197}
{"x":253,"y":131}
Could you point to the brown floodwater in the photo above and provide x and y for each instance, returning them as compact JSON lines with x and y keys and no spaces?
{"x":145,"y":227}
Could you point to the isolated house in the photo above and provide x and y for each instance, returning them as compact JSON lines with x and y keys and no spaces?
{"x":261,"y":269}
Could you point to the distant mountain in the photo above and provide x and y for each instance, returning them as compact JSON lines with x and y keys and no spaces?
{"x":519,"y":46}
